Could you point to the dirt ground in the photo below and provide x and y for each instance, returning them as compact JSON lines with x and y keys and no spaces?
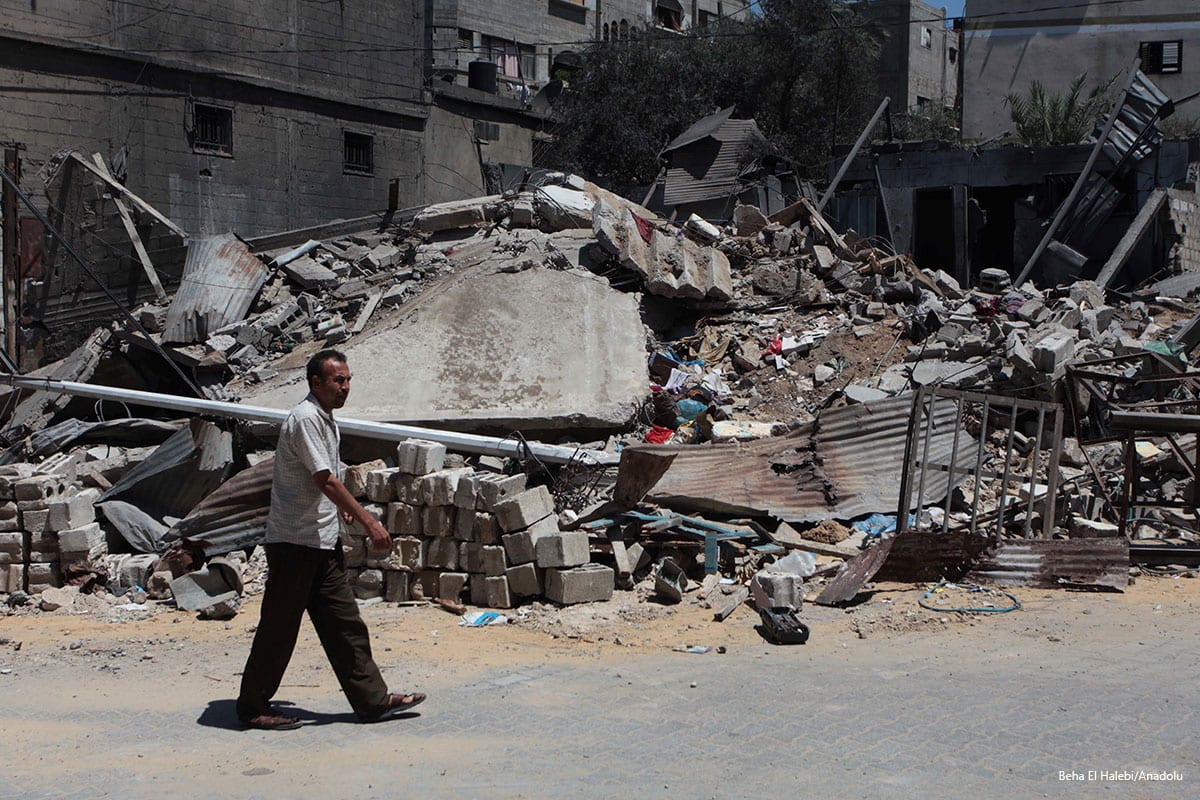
{"x":108,"y":636}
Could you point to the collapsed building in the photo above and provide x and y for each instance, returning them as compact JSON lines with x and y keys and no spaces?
{"x":562,"y":394}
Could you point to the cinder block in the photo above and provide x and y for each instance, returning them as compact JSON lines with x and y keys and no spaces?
{"x":395,"y":586}
{"x":477,"y":589}
{"x":437,"y":521}
{"x":72,"y":512}
{"x":564,"y":549}
{"x":41,"y":547}
{"x":521,"y":546}
{"x":81,"y":539}
{"x":493,"y":560}
{"x":404,"y":519}
{"x":423,"y":585}
{"x":487,"y":530}
{"x":498,"y":595}
{"x":35,"y":521}
{"x":12,"y":543}
{"x":368,"y":583}
{"x":469,"y":558}
{"x":524,"y":580}
{"x":379,"y":485}
{"x":492,"y":489}
{"x":9,"y":475}
{"x":589,"y":583}
{"x":442,"y":553}
{"x":10,"y":518}
{"x":24,"y":506}
{"x":439,"y":488}
{"x":355,"y":477}
{"x":407,"y":488}
{"x":39,"y":577}
{"x":524,"y":509}
{"x":464,"y":495}
{"x":412,"y":551}
{"x":464,"y":524}
{"x":40,"y":487}
{"x":451,"y":584}
{"x":420,"y":457}
{"x":12,"y":578}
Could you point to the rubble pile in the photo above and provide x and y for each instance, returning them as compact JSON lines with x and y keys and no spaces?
{"x":810,"y":364}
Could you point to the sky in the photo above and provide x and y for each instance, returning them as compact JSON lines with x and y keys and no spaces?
{"x":954,"y":8}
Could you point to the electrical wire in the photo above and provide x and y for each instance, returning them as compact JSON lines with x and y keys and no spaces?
{"x":970,"y":588}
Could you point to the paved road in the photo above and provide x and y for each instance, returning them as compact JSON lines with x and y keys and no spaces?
{"x":915,"y":715}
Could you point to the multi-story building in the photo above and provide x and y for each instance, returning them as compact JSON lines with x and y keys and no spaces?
{"x":1007,"y":44}
{"x":918,"y":60}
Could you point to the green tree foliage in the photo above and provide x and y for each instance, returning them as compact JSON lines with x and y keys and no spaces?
{"x":1049,"y":118}
{"x":803,"y":69}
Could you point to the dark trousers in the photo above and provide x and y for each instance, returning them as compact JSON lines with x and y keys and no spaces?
{"x":303,"y":579}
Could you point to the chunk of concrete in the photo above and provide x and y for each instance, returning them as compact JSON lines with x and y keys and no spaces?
{"x":456,"y":214}
{"x":355,"y":477}
{"x":524,"y":509}
{"x":497,"y":592}
{"x":561,"y":208}
{"x":563,"y":549}
{"x":420,"y":457}
{"x":1053,"y":351}
{"x":524,"y":580}
{"x":589,"y":583}
{"x":451,"y":584}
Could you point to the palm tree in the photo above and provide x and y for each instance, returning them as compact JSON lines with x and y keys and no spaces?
{"x":1049,"y":118}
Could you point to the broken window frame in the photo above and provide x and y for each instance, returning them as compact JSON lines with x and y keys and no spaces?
{"x":358,"y":153}
{"x":927,"y":37}
{"x":211,"y":129}
{"x":1161,"y":56}
{"x":918,"y":464}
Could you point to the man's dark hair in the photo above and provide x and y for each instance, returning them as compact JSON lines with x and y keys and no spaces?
{"x":316,"y":369}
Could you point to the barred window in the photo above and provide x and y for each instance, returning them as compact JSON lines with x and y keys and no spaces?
{"x":358,"y":153}
{"x":212,"y":129}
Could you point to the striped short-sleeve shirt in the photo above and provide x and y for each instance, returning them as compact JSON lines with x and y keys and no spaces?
{"x":300,"y":512}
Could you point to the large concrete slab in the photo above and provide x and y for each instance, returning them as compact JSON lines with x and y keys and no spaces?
{"x":535,"y":349}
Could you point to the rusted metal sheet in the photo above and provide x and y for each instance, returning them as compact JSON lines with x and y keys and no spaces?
{"x":709,"y":165}
{"x":220,"y":280}
{"x":924,"y":556}
{"x":1055,"y":564}
{"x":854,"y":573}
{"x":234,"y":516}
{"x":846,"y":464}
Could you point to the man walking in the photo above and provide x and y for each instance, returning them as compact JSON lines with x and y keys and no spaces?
{"x":305,"y":566}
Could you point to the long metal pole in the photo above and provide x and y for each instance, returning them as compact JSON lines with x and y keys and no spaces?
{"x":12,"y":253}
{"x":386,"y":431}
{"x":862,"y":138}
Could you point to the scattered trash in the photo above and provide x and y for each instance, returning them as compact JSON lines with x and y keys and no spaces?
{"x":478,"y":619}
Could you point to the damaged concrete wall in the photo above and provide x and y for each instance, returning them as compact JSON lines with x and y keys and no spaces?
{"x":452,"y":169}
{"x":541,"y":348}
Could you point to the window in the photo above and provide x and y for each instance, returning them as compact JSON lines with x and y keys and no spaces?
{"x":212,"y":129}
{"x":514,"y":60}
{"x":923,"y":103}
{"x":487,"y":131}
{"x":1161,"y":58}
{"x":358,"y":153}
{"x":926,"y":38}
{"x":952,"y":53}
{"x":668,"y":14}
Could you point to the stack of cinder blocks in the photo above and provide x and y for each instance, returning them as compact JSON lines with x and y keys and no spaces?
{"x":461,"y":534}
{"x":45,"y":524}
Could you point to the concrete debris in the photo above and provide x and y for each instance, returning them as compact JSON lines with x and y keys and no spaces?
{"x":798,"y":355}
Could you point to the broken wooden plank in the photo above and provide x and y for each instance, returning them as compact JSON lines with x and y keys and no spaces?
{"x":137,"y":201}
{"x":134,"y":236}
{"x":735,"y":600}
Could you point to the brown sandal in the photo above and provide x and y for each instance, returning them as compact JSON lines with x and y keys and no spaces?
{"x":394,"y":704}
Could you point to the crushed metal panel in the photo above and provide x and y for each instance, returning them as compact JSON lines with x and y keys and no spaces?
{"x":179,"y":473}
{"x":234,"y":517}
{"x":842,"y":466}
{"x":854,"y":573}
{"x":925,"y":556}
{"x":1056,"y":564}
{"x":699,"y":129}
{"x":220,"y":281}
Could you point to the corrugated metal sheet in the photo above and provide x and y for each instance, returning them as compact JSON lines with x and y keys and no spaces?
{"x":854,"y":573}
{"x":233,"y":517}
{"x":220,"y":280}
{"x":709,"y":166}
{"x":926,"y":556}
{"x":1055,"y":563}
{"x":179,"y":473}
{"x":704,"y":127}
{"x":845,"y":465}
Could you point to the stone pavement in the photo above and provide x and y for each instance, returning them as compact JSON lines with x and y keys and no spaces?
{"x":928,"y":716}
